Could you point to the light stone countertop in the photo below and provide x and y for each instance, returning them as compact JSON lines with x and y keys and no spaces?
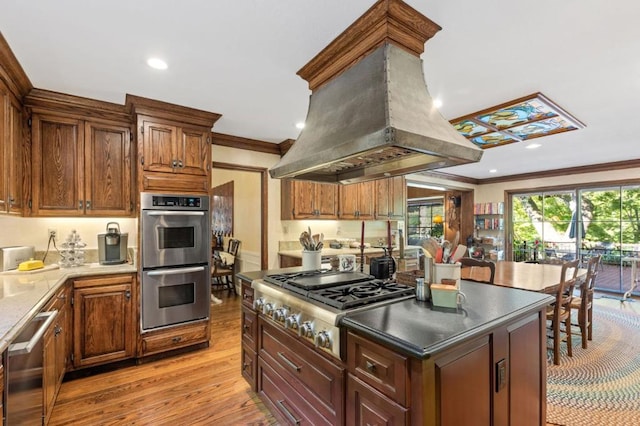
{"x":24,"y":294}
{"x":356,"y":251}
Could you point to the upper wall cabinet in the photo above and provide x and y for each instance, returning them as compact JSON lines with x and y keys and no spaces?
{"x":81,"y":166}
{"x":12,"y":154}
{"x":308,"y":200}
{"x":174,"y":146}
{"x":391,"y":198}
{"x":357,"y":200}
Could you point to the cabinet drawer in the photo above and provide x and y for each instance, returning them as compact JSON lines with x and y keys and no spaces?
{"x":250,"y":366}
{"x":284,"y":400}
{"x":366,"y":406}
{"x":379,"y":367}
{"x":312,"y":375}
{"x":249,"y":328}
{"x":247,"y":294}
{"x":174,"y":338}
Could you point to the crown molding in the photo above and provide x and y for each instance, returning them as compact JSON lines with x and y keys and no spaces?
{"x":11,"y":72}
{"x":238,"y":142}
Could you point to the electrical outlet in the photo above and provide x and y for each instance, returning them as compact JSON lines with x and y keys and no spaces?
{"x":52,"y":233}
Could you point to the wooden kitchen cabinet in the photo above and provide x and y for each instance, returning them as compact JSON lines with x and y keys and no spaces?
{"x":164,"y":340}
{"x":80,"y":168}
{"x":81,"y":156}
{"x":104,"y":329}
{"x":499,"y":377}
{"x":56,"y":348}
{"x":174,"y":146}
{"x":295,"y":380}
{"x":12,"y":154}
{"x":391,"y":198}
{"x":308,"y":200}
{"x":357,"y":200}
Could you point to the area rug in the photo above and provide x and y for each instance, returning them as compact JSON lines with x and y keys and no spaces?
{"x":599,"y":385}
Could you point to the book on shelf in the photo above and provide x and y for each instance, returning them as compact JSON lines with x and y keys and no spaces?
{"x":488,"y":208}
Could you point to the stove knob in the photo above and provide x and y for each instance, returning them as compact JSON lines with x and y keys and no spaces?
{"x":280,"y":314}
{"x":306,"y":330}
{"x":257,"y":304}
{"x":323,"y":339}
{"x":267,"y":309}
{"x":292,"y":322}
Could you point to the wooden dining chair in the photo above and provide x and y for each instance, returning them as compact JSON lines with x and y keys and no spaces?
{"x":584,"y":303}
{"x":559,"y":312}
{"x":223,"y":272}
{"x":482,"y":271}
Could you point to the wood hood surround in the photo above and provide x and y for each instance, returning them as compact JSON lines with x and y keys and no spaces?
{"x":370,"y":114}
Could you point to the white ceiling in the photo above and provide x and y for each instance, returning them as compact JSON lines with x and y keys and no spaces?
{"x":239,"y":58}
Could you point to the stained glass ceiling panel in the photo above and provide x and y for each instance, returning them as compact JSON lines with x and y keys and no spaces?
{"x":526,"y":118}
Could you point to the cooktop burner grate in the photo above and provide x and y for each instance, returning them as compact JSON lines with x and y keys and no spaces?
{"x":353,"y":295}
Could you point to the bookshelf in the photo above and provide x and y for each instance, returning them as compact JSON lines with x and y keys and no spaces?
{"x":489,"y":227}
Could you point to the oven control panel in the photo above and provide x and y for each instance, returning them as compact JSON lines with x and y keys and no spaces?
{"x":150,"y":201}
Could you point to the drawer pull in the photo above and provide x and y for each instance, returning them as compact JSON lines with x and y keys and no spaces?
{"x":288,"y":361}
{"x":176,"y":339}
{"x":371,"y":367}
{"x":288,"y":413}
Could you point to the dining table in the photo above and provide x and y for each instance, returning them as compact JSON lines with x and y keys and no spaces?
{"x":539,"y":277}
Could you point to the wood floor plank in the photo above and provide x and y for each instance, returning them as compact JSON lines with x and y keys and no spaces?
{"x":202,"y":387}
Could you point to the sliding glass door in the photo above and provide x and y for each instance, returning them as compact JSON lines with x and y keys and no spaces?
{"x":580,"y":223}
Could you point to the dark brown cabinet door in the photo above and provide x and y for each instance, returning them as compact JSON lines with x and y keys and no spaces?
{"x":349,"y":206}
{"x":326,"y":200}
{"x":16,"y":159}
{"x":57,"y":166}
{"x":103,"y":320}
{"x":193,"y":152}
{"x":366,"y":200}
{"x":159,"y":147}
{"x":108,"y":170}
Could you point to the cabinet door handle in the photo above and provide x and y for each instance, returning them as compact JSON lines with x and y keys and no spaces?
{"x":80,"y":204}
{"x":88,"y":204}
{"x":371,"y":367}
{"x":127,"y":294}
{"x":288,"y":413}
{"x":180,"y":165}
{"x":174,"y":164}
{"x":176,"y":339}
{"x":11,"y":200}
{"x":288,"y":361}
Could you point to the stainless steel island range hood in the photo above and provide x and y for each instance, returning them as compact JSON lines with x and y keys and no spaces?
{"x":370,"y":114}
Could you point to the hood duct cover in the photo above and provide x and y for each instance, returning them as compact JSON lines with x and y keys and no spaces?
{"x":374,"y":117}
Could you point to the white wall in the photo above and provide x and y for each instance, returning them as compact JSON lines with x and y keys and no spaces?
{"x":495,"y":192}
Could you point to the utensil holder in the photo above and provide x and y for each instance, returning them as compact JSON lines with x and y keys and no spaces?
{"x":311,"y":260}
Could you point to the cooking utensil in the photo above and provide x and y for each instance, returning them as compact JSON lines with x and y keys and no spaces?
{"x":460,"y":251}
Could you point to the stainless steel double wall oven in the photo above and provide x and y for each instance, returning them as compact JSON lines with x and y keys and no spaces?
{"x":175,"y":251}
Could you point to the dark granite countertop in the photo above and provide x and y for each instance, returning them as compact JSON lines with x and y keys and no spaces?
{"x":419,"y":330}
{"x":256,"y":275}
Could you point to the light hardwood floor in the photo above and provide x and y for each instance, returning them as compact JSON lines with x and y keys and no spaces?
{"x":203,"y":387}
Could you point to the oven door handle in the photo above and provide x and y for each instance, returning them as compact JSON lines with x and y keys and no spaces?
{"x":173,"y":213}
{"x":22,"y":348}
{"x":175,"y":271}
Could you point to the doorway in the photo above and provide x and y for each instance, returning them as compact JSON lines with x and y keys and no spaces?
{"x":250,"y":214}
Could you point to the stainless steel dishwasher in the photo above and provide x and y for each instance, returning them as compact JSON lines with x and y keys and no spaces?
{"x":24,"y":392}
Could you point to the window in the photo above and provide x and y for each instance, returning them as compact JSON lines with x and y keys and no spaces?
{"x":580,"y":223}
{"x":425,"y":218}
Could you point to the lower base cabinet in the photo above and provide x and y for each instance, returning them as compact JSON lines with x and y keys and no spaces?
{"x":164,"y":340}
{"x":103,"y":320}
{"x":297,"y":382}
{"x":498,"y":378}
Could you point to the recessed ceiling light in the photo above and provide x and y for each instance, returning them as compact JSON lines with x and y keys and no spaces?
{"x":437,"y":103}
{"x":300,"y":125}
{"x":157,"y":63}
{"x":533,"y":146}
{"x":493,"y":171}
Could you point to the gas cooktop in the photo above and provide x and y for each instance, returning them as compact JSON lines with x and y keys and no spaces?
{"x":341,"y":290}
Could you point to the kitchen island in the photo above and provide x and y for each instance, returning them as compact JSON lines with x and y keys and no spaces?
{"x":407,"y":362}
